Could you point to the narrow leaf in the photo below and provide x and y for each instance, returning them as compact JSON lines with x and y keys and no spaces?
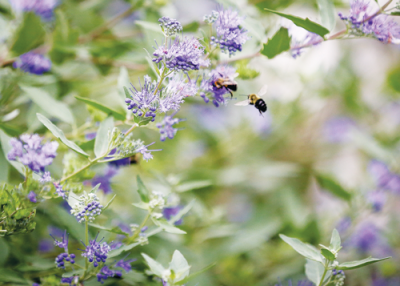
{"x":116,"y":114}
{"x":141,"y":205}
{"x":168,"y":227}
{"x":142,"y":190}
{"x":102,"y":140}
{"x":116,"y":252}
{"x":329,"y":184}
{"x":304,"y":249}
{"x":279,"y":43}
{"x":182,"y":212}
{"x":184,"y":187}
{"x":109,"y":202}
{"x":194,"y":275}
{"x":359,"y":263}
{"x":303,"y":23}
{"x":327,"y":13}
{"x":57,"y":132}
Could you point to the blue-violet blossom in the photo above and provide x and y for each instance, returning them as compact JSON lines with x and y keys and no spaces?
{"x":166,"y":127}
{"x":169,"y":26}
{"x":33,"y":63}
{"x":43,"y":8}
{"x":96,"y":251}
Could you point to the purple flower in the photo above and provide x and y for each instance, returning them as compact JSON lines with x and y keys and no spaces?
{"x":377,"y":200}
{"x":63,"y":257}
{"x":170,"y":212}
{"x":105,"y":180}
{"x":338,"y":129}
{"x":59,"y":190}
{"x":96,"y":252}
{"x":106,"y":272}
{"x":343,"y":224}
{"x":45,"y":245}
{"x":33,"y":63}
{"x":35,"y":284}
{"x":166,"y":127}
{"x":298,"y":43}
{"x":230,"y":34}
{"x":208,"y":84}
{"x":145,"y":152}
{"x":73,"y":280}
{"x":170,"y":26}
{"x":32,"y":197}
{"x":126,"y":265}
{"x":45,"y":178}
{"x":182,"y":54}
{"x":383,"y":177}
{"x":43,"y":8}
{"x":32,"y":154}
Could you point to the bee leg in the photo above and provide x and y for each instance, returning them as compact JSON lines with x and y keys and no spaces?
{"x":261,"y":113}
{"x":229,"y":91}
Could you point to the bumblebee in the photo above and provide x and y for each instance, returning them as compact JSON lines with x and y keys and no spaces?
{"x":227,"y":83}
{"x":256,"y":100}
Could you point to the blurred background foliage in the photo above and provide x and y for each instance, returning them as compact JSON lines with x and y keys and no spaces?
{"x":251,"y":177}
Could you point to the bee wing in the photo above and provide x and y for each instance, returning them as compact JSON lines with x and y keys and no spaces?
{"x":243,"y":103}
{"x":235,"y":75}
{"x":263,"y":90}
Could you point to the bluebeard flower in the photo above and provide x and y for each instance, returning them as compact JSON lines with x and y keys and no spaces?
{"x":106,"y":272}
{"x":35,"y":284}
{"x":338,"y":129}
{"x":166,"y":127}
{"x":343,"y":225}
{"x":65,"y":256}
{"x":230,"y":35}
{"x":170,"y":212}
{"x":45,"y":178}
{"x":145,"y":152}
{"x":209,"y":19}
{"x":126,"y":265}
{"x":297,"y":43}
{"x":169,"y":26}
{"x":88,"y":208}
{"x":72,"y":281}
{"x":383,"y":177}
{"x":60,"y":191}
{"x":377,"y":200}
{"x":33,"y":63}
{"x":96,"y":251}
{"x":105,"y":179}
{"x":208,"y":87}
{"x":182,"y":54}
{"x":31,"y":152}
{"x":32,"y":197}
{"x":45,"y":245}
{"x":43,"y":8}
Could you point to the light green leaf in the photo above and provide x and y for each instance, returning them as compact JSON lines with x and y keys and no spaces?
{"x":327,"y":13}
{"x":194,"y":275}
{"x":335,"y":241}
{"x":279,"y":43}
{"x":116,"y":252}
{"x":123,"y":81}
{"x":304,"y":249}
{"x":328,"y":254}
{"x":191,"y":27}
{"x":155,"y":267}
{"x":8,"y":275}
{"x":60,"y":135}
{"x":116,"y":229}
{"x":109,"y":202}
{"x":179,"y":265}
{"x":315,"y":270}
{"x":73,"y":199}
{"x":182,"y":212}
{"x":95,"y":189}
{"x":116,"y":114}
{"x":329,"y":184}
{"x":303,"y":23}
{"x":141,"y":205}
{"x":359,"y":263}
{"x":73,"y":273}
{"x":168,"y":227}
{"x":4,"y":167}
{"x":184,"y":187}
{"x":151,"y":26}
{"x":102,"y":141}
{"x":142,"y":190}
{"x":53,"y":107}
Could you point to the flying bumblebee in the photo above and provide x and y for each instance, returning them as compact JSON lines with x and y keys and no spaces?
{"x":256,"y":100}
{"x":227,"y":83}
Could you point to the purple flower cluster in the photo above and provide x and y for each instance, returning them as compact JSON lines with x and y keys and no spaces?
{"x":182,"y":54}
{"x":105,"y":179}
{"x":45,"y":178}
{"x":73,"y":280}
{"x":43,"y":8}
{"x":96,"y":252}
{"x":170,"y":212}
{"x":365,"y":19}
{"x":90,"y":211}
{"x":297,"y":45}
{"x":377,"y":200}
{"x":33,"y":63}
{"x":63,"y":256}
{"x":145,"y":152}
{"x":338,"y":129}
{"x":166,"y":127}
{"x":106,"y":272}
{"x":208,"y":87}
{"x":230,"y":35}
{"x":30,"y":151}
{"x":170,"y":26}
{"x":59,"y":190}
{"x":32,"y":197}
{"x":384,"y":178}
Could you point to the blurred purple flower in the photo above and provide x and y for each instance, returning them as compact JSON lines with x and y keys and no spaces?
{"x":33,"y":63}
{"x":45,"y":178}
{"x":45,"y":245}
{"x":59,"y":190}
{"x":43,"y":8}
{"x":105,"y":179}
{"x":338,"y":129}
{"x":73,"y":280}
{"x":166,"y":127}
{"x":145,"y":152}
{"x":90,"y":136}
{"x":298,"y":44}
{"x":170,"y":26}
{"x":106,"y":272}
{"x":32,"y":197}
{"x":383,"y":177}
{"x":377,"y":200}
{"x":170,"y":212}
{"x":343,"y":225}
{"x":126,"y":265}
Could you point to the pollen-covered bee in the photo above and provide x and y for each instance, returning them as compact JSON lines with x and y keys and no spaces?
{"x":227,"y":83}
{"x":256,"y":100}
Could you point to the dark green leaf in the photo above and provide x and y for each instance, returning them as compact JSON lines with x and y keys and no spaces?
{"x":327,"y":254}
{"x":29,"y":35}
{"x":102,"y":141}
{"x":142,"y":120}
{"x":304,"y":249}
{"x":10,"y":129}
{"x":396,"y":13}
{"x":327,"y":13}
{"x":191,"y":27}
{"x":279,"y":43}
{"x":116,"y":252}
{"x":142,"y":190}
{"x":60,"y":135}
{"x":4,"y":251}
{"x":329,"y":184}
{"x":306,"y":24}
{"x":102,"y":107}
{"x":359,"y":263}
{"x":4,"y":167}
{"x":194,"y":275}
{"x":8,"y":275}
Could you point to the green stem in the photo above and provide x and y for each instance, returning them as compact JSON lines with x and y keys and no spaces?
{"x":127,"y":132}
{"x":137,"y":232}
{"x":323,"y":275}
{"x":81,"y":169}
{"x":87,"y":244}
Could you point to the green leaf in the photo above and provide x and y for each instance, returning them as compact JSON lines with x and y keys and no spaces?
{"x":73,"y":199}
{"x":8,"y":275}
{"x":315,"y":270}
{"x":155,"y":267}
{"x":142,"y":120}
{"x":279,"y":43}
{"x":194,"y":275}
{"x":359,"y":263}
{"x":167,"y":226}
{"x":126,"y":91}
{"x":328,"y":254}
{"x":30,"y":34}
{"x":102,"y":141}
{"x":151,"y":26}
{"x":116,"y":114}
{"x":4,"y":167}
{"x":329,"y":184}
{"x":116,"y":229}
{"x":182,"y":212}
{"x":123,"y":80}
{"x":5,"y":251}
{"x":303,"y":23}
{"x":179,"y":265}
{"x":395,"y":13}
{"x":141,"y":205}
{"x":116,"y":252}
{"x":327,"y":13}
{"x":191,"y":27}
{"x":302,"y":248}
{"x":142,"y":190}
{"x":335,"y":241}
{"x":184,"y":187}
{"x":78,"y":272}
{"x":60,"y":135}
{"x":10,"y":129}
{"x":52,"y":106}
{"x":109,"y":202}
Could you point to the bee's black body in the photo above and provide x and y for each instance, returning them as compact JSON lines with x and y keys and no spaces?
{"x":261,"y":105}
{"x":226,"y":83}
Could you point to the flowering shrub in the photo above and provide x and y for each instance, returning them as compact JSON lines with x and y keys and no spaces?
{"x":89,"y":93}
